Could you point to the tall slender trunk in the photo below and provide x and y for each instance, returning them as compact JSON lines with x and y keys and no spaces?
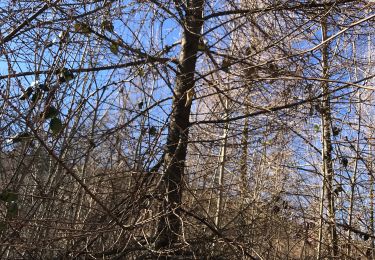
{"x":372,"y":254}
{"x":371,"y":172}
{"x":243,"y":161}
{"x":321,"y":218}
{"x":220,"y":177}
{"x":169,"y":227}
{"x":353,"y":180}
{"x":327,"y":146}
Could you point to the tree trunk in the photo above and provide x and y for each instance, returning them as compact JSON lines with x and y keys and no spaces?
{"x":243,"y":161}
{"x":327,"y":147}
{"x":169,"y":227}
{"x":372,"y":255}
{"x":353,"y":182}
{"x":220,"y":177}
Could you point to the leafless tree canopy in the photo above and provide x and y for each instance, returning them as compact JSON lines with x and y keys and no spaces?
{"x":194,"y":129}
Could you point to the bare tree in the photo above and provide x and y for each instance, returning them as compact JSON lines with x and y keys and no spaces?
{"x":193,"y":129}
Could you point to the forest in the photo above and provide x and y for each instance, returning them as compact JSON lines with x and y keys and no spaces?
{"x":187,"y":129}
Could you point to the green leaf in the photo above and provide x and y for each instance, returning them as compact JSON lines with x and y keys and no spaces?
{"x":3,"y":225}
{"x":37,"y":96}
{"x":317,"y":128}
{"x":201,"y":46}
{"x":12,"y":209}
{"x":107,"y":26}
{"x":27,"y":93}
{"x":141,"y":72}
{"x":44,"y":87}
{"x":48,"y":44}
{"x":55,"y":125}
{"x":77,"y":27}
{"x":65,"y":75}
{"x":152,"y":131}
{"x":226,"y":64}
{"x":8,"y":196}
{"x":20,"y":137}
{"x":62,"y":79}
{"x":114,"y":48}
{"x":82,"y":28}
{"x":267,"y":142}
{"x":68,"y":74}
{"x":344,"y":162}
{"x":335,"y":131}
{"x":50,"y":112}
{"x":64,"y":35}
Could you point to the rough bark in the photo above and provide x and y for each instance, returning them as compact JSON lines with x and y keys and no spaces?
{"x":243,"y":160}
{"x":327,"y":147}
{"x":169,"y":227}
{"x":221,"y":170}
